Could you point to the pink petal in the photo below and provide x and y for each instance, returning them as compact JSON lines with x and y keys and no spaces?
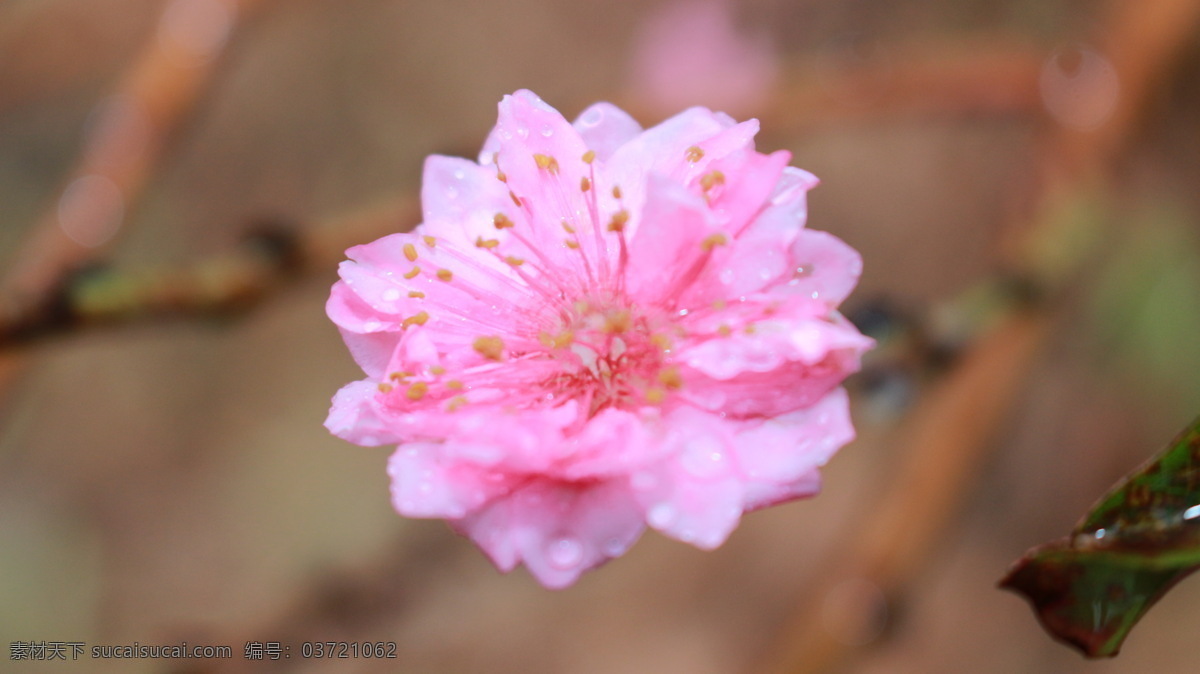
{"x":558,"y":529}
{"x":825,"y":268}
{"x":604,"y":127}
{"x":355,"y":417}
{"x":696,"y":496}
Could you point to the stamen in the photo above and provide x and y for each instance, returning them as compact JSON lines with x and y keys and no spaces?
{"x":711,"y":179}
{"x":384,"y":387}
{"x":514,"y":260}
{"x":617,"y":224}
{"x":670,"y":378}
{"x":455,"y":403}
{"x":416,"y":294}
{"x":514,"y":198}
{"x":546,"y":163}
{"x":714,"y":240}
{"x":454,"y":385}
{"x":417,"y":390}
{"x":445,"y":275}
{"x":694,"y":154}
{"x":412,"y":273}
{"x":589,"y":156}
{"x":616,"y":191}
{"x":481,"y":242}
{"x":429,"y":241}
{"x":410,"y":252}
{"x":417,"y":319}
{"x":585,"y":184}
{"x":437,"y":370}
{"x":490,"y":347}
{"x":571,"y":244}
{"x":501,"y":221}
{"x":655,"y":395}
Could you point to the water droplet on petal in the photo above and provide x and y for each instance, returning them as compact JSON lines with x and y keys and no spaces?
{"x":547,"y":131}
{"x":614,"y":547}
{"x":703,"y":458}
{"x":460,"y":174}
{"x":522,"y":132}
{"x":565,"y":553}
{"x":661,"y":515}
{"x":726,"y":276}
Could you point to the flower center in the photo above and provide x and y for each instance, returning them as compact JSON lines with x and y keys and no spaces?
{"x":612,"y":354}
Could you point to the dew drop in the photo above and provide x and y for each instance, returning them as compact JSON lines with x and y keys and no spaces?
{"x":726,"y":276}
{"x":522,"y":132}
{"x":803,"y":271}
{"x":547,"y":131}
{"x":703,"y":458}
{"x":565,"y":553}
{"x":661,"y":515}
{"x":460,"y":174}
{"x":1192,"y":513}
{"x":614,"y":547}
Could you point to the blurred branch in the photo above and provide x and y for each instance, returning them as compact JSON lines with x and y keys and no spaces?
{"x":271,"y":255}
{"x":125,"y":141}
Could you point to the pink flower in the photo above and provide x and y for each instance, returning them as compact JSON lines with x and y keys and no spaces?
{"x":598,"y":328}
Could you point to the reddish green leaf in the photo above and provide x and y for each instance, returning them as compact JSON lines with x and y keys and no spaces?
{"x":1091,"y":588}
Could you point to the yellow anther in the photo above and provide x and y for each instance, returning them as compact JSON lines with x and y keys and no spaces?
{"x":714,"y":240}
{"x":661,"y":341}
{"x":385,"y":387}
{"x":410,"y":252}
{"x":559,"y":341}
{"x":750,"y":329}
{"x":617,"y":224}
{"x":416,"y":293}
{"x":571,"y":244}
{"x":437,"y":370}
{"x":514,"y":198}
{"x":430,"y":241}
{"x":501,"y":221}
{"x":567,"y":228}
{"x":417,"y":390}
{"x":454,"y":385}
{"x":694,"y":154}
{"x":719,"y":305}
{"x":455,"y":403}
{"x":724,"y":331}
{"x":445,"y":275}
{"x":585,"y":184}
{"x":412,"y":273}
{"x":491,"y":347}
{"x":514,"y":260}
{"x":399,"y":376}
{"x":670,"y":378}
{"x":501,"y":176}
{"x":589,"y":156}
{"x":711,"y":179}
{"x":655,"y":395}
{"x":481,"y":242}
{"x":417,"y":319}
{"x":616,"y":191}
{"x":546,"y":163}
{"x":617,"y":321}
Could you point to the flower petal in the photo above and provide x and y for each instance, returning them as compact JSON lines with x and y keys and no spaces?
{"x":604,"y":127}
{"x":558,"y":529}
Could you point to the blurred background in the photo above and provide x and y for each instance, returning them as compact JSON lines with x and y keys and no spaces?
{"x":178,"y":180}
